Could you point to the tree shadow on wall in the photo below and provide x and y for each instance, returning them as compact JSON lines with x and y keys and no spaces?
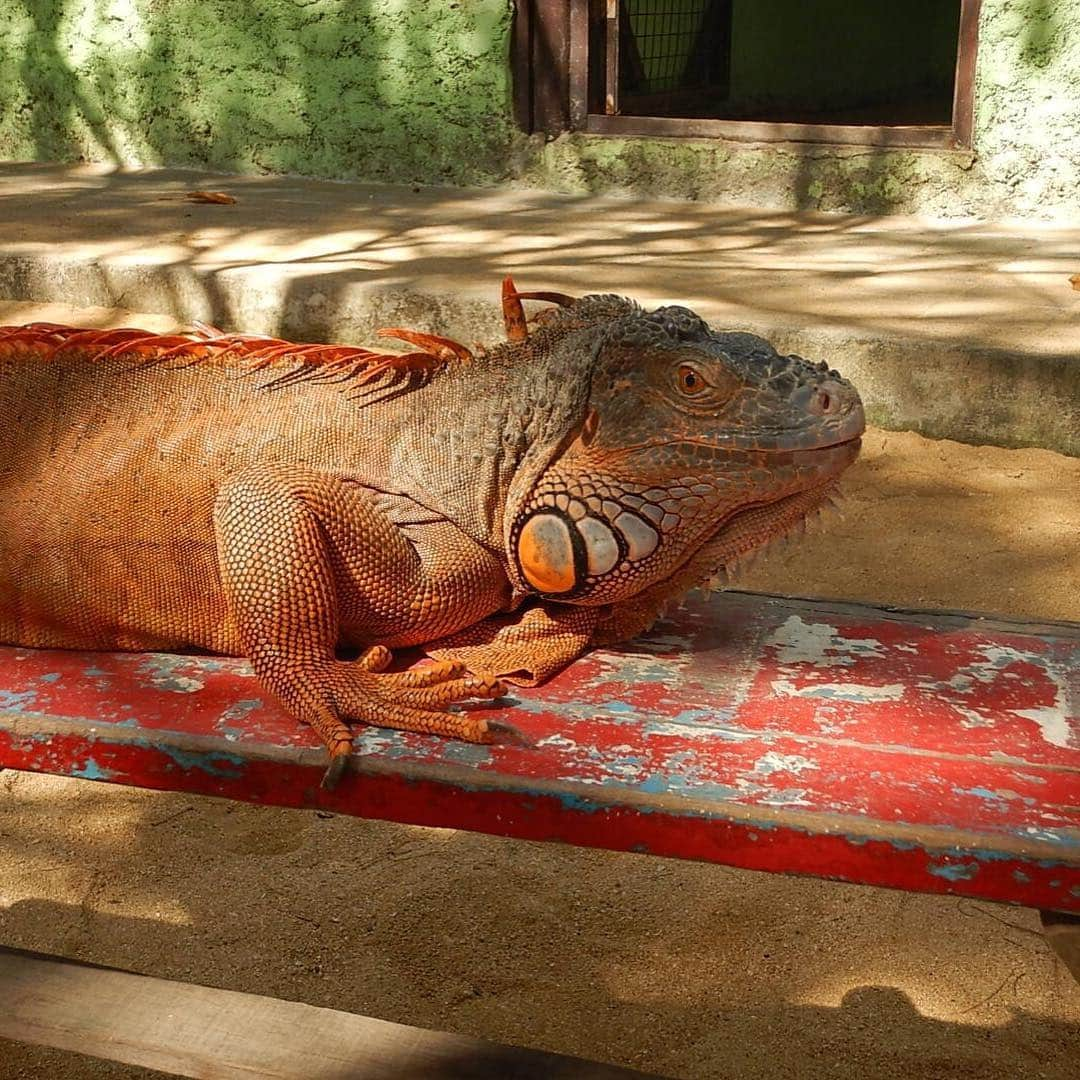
{"x":332,"y":89}
{"x":58,"y":100}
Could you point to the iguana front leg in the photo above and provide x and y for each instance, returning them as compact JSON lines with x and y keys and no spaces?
{"x":294,"y":548}
{"x":525,"y":648}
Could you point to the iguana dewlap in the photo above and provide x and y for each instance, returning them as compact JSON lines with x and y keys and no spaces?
{"x":253,"y":497}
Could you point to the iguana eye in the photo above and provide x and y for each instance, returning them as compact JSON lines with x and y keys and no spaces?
{"x":690,"y":380}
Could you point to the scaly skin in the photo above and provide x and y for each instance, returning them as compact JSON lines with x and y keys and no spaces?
{"x":505,"y":511}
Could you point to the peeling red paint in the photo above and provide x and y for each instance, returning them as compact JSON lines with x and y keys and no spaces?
{"x":932,"y":752}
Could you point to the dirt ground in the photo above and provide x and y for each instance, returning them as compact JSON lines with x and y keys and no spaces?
{"x":686,"y":970}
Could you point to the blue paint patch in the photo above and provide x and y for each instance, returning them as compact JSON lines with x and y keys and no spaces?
{"x":981,"y":793}
{"x":657,"y":784}
{"x":239,"y":709}
{"x":1064,"y":838}
{"x":786,"y":797}
{"x":698,"y":716}
{"x":214,"y":763}
{"x":619,"y":707}
{"x":177,"y":684}
{"x":50,"y":677}
{"x":463,"y":753}
{"x":1021,"y":878}
{"x":234,"y":714}
{"x":857,"y":840}
{"x":679,"y":784}
{"x":955,"y":871}
{"x":94,"y":672}
{"x":905,"y":845}
{"x":177,"y":674}
{"x":710,"y":730}
{"x":16,"y":702}
{"x":92,"y":771}
{"x":577,"y":802}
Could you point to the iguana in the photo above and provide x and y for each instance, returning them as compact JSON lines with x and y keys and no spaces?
{"x":504,"y":508}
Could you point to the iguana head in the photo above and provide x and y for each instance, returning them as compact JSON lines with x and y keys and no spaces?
{"x":692,"y":447}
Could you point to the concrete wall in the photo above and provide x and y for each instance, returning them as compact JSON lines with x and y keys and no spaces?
{"x":420,"y":92}
{"x":383,"y":89}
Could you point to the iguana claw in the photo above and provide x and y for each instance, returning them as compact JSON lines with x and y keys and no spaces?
{"x":514,"y":735}
{"x":335,"y":770}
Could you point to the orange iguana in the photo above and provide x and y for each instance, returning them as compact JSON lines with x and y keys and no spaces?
{"x":504,"y":510}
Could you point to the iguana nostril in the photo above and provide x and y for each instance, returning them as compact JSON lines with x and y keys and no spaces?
{"x":824,"y":402}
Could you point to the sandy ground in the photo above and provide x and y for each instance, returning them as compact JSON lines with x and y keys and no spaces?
{"x":686,"y":970}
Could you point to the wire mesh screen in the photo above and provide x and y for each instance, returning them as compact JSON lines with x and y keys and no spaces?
{"x":666,"y":44}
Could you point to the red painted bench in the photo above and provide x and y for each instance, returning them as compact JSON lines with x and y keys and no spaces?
{"x":928,"y":751}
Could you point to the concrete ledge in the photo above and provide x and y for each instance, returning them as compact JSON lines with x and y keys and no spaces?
{"x":960,"y":331}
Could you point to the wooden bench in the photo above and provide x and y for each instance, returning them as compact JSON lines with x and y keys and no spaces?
{"x":928,"y":751}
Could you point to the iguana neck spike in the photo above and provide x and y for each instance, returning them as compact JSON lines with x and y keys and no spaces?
{"x":514,"y":314}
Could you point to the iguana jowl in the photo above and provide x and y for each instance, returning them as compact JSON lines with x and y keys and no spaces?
{"x":506,"y":510}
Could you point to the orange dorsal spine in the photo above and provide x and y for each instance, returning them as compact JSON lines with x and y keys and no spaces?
{"x":314,"y":362}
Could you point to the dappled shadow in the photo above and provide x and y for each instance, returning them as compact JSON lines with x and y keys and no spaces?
{"x":1041,"y":34}
{"x":284,"y":88}
{"x":58,"y":100}
{"x":332,"y":89}
{"x":904,"y":308}
{"x":745,"y":975}
{"x":311,"y":258}
{"x":689,"y":970}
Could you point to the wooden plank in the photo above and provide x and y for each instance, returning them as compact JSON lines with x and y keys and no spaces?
{"x":963,"y":121}
{"x":201,"y":1031}
{"x":929,"y":751}
{"x":579,"y":65}
{"x":611,"y":58}
{"x":550,"y":64}
{"x":940,"y":137}
{"x":521,"y":64}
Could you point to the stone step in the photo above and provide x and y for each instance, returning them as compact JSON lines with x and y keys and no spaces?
{"x":959,"y":330}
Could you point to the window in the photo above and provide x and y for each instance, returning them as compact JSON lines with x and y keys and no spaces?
{"x":803,"y":70}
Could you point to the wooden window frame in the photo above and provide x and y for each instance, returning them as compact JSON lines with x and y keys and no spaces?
{"x":550,"y":58}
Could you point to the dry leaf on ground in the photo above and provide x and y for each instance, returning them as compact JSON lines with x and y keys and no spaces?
{"x":218,"y":197}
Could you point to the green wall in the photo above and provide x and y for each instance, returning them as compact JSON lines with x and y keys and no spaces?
{"x":384,"y":89}
{"x":399,"y":90}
